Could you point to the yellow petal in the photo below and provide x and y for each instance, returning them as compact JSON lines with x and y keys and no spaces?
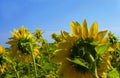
{"x":28,"y":36}
{"x":107,"y":58}
{"x":104,"y":40}
{"x":84,"y":29}
{"x":2,"y":49}
{"x":68,"y":70}
{"x":111,"y":49}
{"x":65,"y":36}
{"x":100,"y":35}
{"x":102,"y":74}
{"x":76,"y":28}
{"x":24,"y":31}
{"x":64,"y":45}
{"x":64,"y":65}
{"x":93,"y":30}
{"x":60,"y":55}
{"x":15,"y":35}
{"x":17,"y":32}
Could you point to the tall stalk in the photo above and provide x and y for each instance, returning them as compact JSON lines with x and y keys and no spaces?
{"x":16,"y":72}
{"x":34,"y":63}
{"x":35,"y":68}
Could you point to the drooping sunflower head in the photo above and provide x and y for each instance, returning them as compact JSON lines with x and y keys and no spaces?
{"x":80,"y":50}
{"x":38,"y":35}
{"x":113,"y":40}
{"x":55,"y":37}
{"x":23,"y":44}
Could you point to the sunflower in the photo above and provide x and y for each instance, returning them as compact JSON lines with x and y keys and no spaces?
{"x":23,"y":45}
{"x":55,"y":37}
{"x":2,"y":60}
{"x":38,"y":35}
{"x":114,"y":52}
{"x":82,"y":52}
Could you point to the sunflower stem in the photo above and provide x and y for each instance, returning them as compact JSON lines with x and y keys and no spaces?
{"x":94,"y":68}
{"x":34,"y":63}
{"x":93,"y":65}
{"x":28,"y":69}
{"x":16,"y":72}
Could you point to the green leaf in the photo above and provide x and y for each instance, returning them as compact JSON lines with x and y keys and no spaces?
{"x":25,"y":76}
{"x":113,"y":74}
{"x":10,"y":76}
{"x":102,"y":48}
{"x":47,"y":66}
{"x":78,"y":61}
{"x":94,"y":43}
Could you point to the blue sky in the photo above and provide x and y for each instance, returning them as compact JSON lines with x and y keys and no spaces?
{"x":55,"y":15}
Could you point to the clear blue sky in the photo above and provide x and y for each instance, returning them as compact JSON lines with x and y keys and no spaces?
{"x":55,"y":15}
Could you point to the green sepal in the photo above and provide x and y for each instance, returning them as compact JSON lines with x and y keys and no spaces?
{"x":102,"y":48}
{"x":79,"y":62}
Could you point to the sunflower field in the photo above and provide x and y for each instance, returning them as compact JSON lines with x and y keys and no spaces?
{"x":84,"y":53}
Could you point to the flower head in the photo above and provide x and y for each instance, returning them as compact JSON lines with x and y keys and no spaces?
{"x":38,"y":35}
{"x":79,"y":52}
{"x":23,"y":45}
{"x":55,"y":37}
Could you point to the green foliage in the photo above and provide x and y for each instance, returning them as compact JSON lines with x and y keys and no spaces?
{"x":45,"y":69}
{"x":113,"y":74}
{"x":84,"y":56}
{"x":102,"y":48}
